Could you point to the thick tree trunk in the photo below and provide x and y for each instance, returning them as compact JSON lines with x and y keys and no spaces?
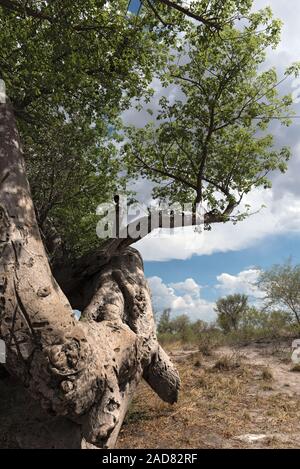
{"x":86,"y":370}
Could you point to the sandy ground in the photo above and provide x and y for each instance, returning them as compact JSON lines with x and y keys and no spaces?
{"x":236,"y":398}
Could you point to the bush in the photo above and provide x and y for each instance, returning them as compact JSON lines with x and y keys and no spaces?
{"x":267,"y":374}
{"x":179,"y":329}
{"x":230,"y":311}
{"x":253,"y":325}
{"x":227,"y":363}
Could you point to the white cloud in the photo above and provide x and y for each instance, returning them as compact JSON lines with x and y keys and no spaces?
{"x":290,"y":39}
{"x":280,"y":216}
{"x":183,"y":298}
{"x":243,"y":282}
{"x":188,"y":286}
{"x":162,"y":295}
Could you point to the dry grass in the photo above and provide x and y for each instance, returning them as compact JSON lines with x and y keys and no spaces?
{"x":219,"y":401}
{"x":295,"y":368}
{"x":227,"y":362}
{"x":267,"y":374}
{"x":224,"y":397}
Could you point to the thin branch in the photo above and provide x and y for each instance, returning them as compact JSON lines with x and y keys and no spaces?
{"x":154,"y":10}
{"x":164,"y":173}
{"x":16,"y":7}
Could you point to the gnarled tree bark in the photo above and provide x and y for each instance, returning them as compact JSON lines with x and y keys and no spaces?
{"x":86,"y":370}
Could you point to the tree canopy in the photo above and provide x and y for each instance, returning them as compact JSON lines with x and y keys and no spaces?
{"x":230,"y":311}
{"x":210,"y":143}
{"x":72,"y":68}
{"x":281,"y":285}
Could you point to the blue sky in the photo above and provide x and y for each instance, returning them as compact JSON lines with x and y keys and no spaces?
{"x":188,"y":273}
{"x":205,"y":269}
{"x":134,"y":6}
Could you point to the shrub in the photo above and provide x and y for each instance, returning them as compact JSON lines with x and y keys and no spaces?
{"x":227,"y":363}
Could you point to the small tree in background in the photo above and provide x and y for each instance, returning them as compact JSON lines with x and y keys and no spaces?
{"x":281,"y":285}
{"x":182,"y":327}
{"x":164,"y":325}
{"x":230,"y":311}
{"x":179,"y":328}
{"x":200,"y":326}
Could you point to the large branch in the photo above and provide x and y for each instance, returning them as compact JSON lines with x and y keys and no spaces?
{"x":187,"y":12}
{"x":157,"y":221}
{"x":75,"y":277}
{"x":86,"y":370}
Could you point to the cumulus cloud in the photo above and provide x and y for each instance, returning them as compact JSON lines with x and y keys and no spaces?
{"x":188,"y":286}
{"x":182,"y":298}
{"x":243,"y":282}
{"x":162,"y":295}
{"x":185,"y":297}
{"x":279,"y":216}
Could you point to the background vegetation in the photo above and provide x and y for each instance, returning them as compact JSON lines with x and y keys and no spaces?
{"x":237,"y":321}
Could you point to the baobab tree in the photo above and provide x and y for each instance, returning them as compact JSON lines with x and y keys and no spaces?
{"x":70,"y":70}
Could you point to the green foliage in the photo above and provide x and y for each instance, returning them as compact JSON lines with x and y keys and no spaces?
{"x":281,"y":285}
{"x":230,"y":311}
{"x":73,"y":176}
{"x":165,"y":325}
{"x":84,"y":57}
{"x":210,"y":145}
{"x":257,"y":324}
{"x":254,"y":324}
{"x":70,"y":69}
{"x":182,"y":327}
{"x":179,"y":328}
{"x":239,"y":322}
